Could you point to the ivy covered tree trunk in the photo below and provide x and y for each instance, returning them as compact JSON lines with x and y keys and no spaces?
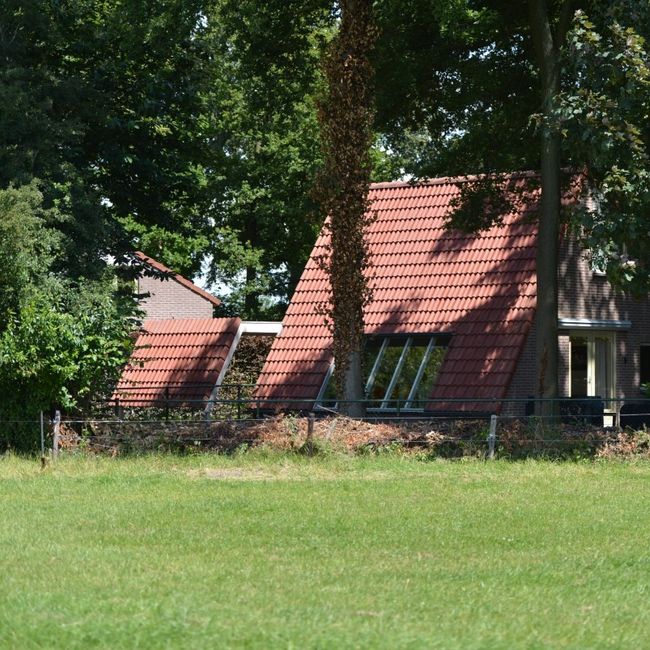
{"x":346,"y":115}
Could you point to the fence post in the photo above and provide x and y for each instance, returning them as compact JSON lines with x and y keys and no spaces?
{"x":167,"y":403}
{"x":492,"y":437}
{"x":43,"y":461}
{"x":56,"y":434}
{"x":239,"y":401}
{"x":309,"y":443}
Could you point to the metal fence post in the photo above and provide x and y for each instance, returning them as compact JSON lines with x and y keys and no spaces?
{"x":42,"y":440}
{"x":492,"y":437}
{"x":56,"y":434}
{"x":239,"y":401}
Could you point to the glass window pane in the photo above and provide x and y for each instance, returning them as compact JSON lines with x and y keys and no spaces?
{"x":329,"y":396}
{"x":371,"y":349}
{"x":385,"y":372}
{"x":407,"y":374}
{"x":645,"y":364}
{"x":603,"y":370}
{"x":579,"y":365}
{"x":428,"y":381}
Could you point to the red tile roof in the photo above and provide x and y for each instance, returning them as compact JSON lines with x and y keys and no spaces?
{"x":188,"y":284}
{"x":182,"y":356}
{"x":481,"y":289}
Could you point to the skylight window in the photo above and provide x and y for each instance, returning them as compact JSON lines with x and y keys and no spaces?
{"x":400,"y":371}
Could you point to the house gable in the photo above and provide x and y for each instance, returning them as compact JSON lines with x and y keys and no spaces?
{"x":172,"y":296}
{"x":177,"y":361}
{"x":479,"y":289}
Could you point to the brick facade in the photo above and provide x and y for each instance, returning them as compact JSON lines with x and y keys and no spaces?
{"x":169,"y":299}
{"x":522,"y":385}
{"x":584,"y":294}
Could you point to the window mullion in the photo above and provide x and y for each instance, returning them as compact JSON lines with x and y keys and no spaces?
{"x":398,"y":368}
{"x":418,"y":377}
{"x":591,"y":366}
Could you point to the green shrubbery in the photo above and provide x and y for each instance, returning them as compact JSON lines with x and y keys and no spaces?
{"x":62,"y":341}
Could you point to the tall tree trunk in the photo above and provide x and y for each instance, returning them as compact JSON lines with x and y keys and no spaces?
{"x":547,"y":48}
{"x":346,"y":121}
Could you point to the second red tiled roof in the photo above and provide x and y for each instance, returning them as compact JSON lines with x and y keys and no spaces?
{"x":176,"y":359}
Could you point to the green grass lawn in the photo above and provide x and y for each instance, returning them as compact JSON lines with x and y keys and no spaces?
{"x":342,"y":552}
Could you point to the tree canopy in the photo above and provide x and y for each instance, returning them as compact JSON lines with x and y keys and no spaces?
{"x":188,"y":129}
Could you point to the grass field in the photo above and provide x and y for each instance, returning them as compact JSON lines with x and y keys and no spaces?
{"x":341,"y":552}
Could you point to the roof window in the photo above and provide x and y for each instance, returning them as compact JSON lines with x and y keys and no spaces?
{"x":400,"y":371}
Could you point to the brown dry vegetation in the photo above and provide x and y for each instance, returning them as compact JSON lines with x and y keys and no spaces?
{"x":445,"y":438}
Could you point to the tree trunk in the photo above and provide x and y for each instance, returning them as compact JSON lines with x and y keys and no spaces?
{"x":354,"y":406}
{"x":547,"y":48}
{"x":252,"y":296}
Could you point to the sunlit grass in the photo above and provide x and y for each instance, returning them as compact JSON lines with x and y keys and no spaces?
{"x":267,"y":550}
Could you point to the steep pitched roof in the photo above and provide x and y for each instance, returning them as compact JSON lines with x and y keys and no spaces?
{"x":180,"y":359}
{"x":188,"y":284}
{"x":481,"y":289}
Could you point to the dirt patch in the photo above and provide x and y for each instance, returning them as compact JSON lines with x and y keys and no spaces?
{"x":232,"y":474}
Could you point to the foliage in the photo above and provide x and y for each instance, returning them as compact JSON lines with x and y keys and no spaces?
{"x":346,"y":116}
{"x":59,"y":350}
{"x":26,"y":246}
{"x":605,"y":122}
{"x":61,"y":342}
{"x":100,"y":102}
{"x":264,"y":138}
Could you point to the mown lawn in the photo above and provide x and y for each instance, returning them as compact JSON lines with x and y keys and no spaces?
{"x":386,"y":552}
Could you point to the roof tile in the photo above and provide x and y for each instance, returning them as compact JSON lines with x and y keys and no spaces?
{"x":179,"y":358}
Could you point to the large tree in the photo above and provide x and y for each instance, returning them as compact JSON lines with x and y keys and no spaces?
{"x":101,"y":102}
{"x":263,"y":133}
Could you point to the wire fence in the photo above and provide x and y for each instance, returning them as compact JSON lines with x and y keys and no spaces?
{"x":490,"y":428}
{"x":245,"y":401}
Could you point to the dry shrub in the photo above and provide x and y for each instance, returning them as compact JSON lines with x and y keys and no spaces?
{"x":435,"y":438}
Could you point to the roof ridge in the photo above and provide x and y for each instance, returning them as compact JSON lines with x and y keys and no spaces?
{"x":444,"y":180}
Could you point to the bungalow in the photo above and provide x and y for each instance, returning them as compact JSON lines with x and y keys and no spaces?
{"x":451,"y":319}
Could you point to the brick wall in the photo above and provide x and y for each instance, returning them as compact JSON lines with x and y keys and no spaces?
{"x":585,"y":295}
{"x":169,"y":299}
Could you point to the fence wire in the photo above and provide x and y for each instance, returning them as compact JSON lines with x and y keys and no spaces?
{"x":481,"y":427}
